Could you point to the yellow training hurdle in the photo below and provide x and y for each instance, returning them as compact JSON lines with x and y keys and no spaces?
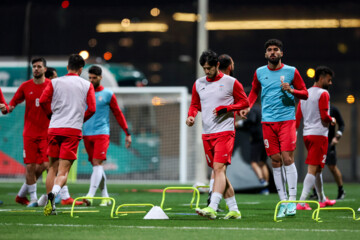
{"x":317,"y":211}
{"x":133,"y":205}
{"x":101,"y":198}
{"x":196,"y":192}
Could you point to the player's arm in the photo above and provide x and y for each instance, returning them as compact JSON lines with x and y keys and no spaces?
{"x":340,"y":122}
{"x":240,"y":100}
{"x":46,"y":98}
{"x":298,"y":115}
{"x":18,"y":98}
{"x":3,"y":105}
{"x":194,"y":108}
{"x":299,"y":90}
{"x":120,"y":119}
{"x":255,"y":89}
{"x":91,"y":103}
{"x":324,"y":108}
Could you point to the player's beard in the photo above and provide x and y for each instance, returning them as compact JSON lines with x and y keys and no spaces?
{"x":38,"y":76}
{"x":274,"y":61}
{"x":95,"y":85}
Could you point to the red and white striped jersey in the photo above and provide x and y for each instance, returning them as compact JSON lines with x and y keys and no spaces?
{"x":316,"y":112}
{"x":209,"y":94}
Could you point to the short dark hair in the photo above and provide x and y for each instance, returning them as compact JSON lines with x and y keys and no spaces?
{"x":50,"y":72}
{"x":209,"y":57}
{"x":39,"y":59}
{"x":323,"y":71}
{"x":275,"y":42}
{"x":225,"y":61}
{"x":76,"y":62}
{"x":95,"y":70}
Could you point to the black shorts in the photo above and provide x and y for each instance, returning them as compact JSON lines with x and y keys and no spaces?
{"x":258,"y":152}
{"x":331,"y":156}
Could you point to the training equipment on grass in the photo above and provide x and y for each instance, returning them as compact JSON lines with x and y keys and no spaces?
{"x":156,"y":213}
{"x":101,"y":198}
{"x":131,"y":205}
{"x":317,"y":211}
{"x":305,"y":201}
{"x":196,"y":191}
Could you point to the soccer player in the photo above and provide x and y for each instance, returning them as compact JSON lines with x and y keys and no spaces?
{"x":226,"y":66}
{"x":217,"y":96}
{"x":96,"y":134}
{"x":279,"y":84}
{"x":64,"y":197}
{"x":35,"y":130}
{"x":65,"y":100}
{"x":315,"y":111}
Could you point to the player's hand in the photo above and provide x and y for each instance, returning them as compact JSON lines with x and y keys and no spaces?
{"x":286,"y":87}
{"x":334,"y":141}
{"x":128,"y":141}
{"x":220,"y":110}
{"x":190,"y":121}
{"x":244,"y":112}
{"x":3,"y":107}
{"x":333,"y":122}
{"x":11,"y":108}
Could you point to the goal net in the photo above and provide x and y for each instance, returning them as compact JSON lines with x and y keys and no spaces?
{"x":163,"y":148}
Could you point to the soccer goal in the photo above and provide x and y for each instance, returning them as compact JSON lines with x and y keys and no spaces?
{"x":163,"y":148}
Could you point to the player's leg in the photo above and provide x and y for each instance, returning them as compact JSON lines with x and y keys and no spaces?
{"x":229,"y":196}
{"x":331,"y":162}
{"x":211,"y":186}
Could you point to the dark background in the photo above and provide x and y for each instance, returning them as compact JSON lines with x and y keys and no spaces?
{"x":57,"y":32}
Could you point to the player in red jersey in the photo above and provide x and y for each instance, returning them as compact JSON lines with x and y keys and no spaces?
{"x":65,"y":100}
{"x":217,"y":96}
{"x":316,"y":113}
{"x":35,"y":130}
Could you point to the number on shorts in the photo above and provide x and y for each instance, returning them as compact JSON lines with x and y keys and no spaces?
{"x":37,"y":102}
{"x":266,"y":142}
{"x":324,"y":159}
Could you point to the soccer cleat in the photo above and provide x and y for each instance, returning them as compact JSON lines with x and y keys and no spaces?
{"x":58,"y":199}
{"x":88,"y":202}
{"x":42,"y":200}
{"x":105,"y":203}
{"x":33,"y":204}
{"x":22,"y":200}
{"x":306,"y":207}
{"x":49,"y":208}
{"x":282,"y":211}
{"x":207,"y":212}
{"x":291,"y":209}
{"x":70,"y":201}
{"x":265,"y":191}
{"x":341,"y":195}
{"x":327,"y":203}
{"x":233,"y":215}
{"x":1,"y":202}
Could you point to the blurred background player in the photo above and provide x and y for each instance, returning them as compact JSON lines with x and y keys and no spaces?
{"x":279,"y":84}
{"x":96,"y":134}
{"x":65,"y":100}
{"x":64,"y":197}
{"x":258,"y":155}
{"x":217,"y":96}
{"x":315,"y":111}
{"x":51,"y":73}
{"x":35,"y":130}
{"x":4,"y":109}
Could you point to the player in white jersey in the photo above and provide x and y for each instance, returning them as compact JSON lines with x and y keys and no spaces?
{"x":69,"y":96}
{"x":217,"y":96}
{"x":316,"y":113}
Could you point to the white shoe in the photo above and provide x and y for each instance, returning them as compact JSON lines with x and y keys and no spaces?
{"x":42,"y":200}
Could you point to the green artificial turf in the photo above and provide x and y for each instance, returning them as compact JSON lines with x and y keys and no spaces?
{"x":20,"y":222}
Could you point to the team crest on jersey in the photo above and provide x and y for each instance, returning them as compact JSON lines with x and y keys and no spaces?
{"x":100,"y":98}
{"x":221,"y":87}
{"x":282,"y":78}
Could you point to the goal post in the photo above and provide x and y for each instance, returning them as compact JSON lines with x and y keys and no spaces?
{"x":163,"y":148}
